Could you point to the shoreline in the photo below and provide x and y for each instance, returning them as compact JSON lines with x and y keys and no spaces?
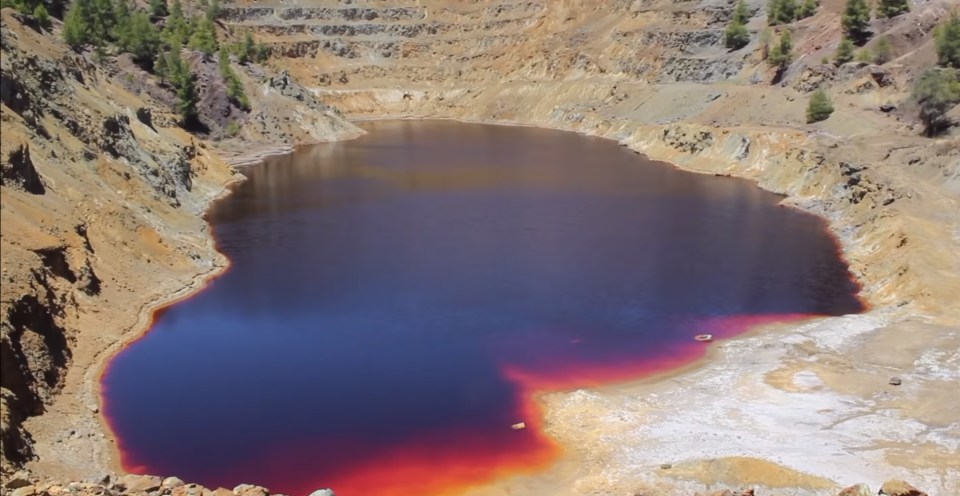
{"x":94,"y":375}
{"x":112,"y":458}
{"x":257,"y":155}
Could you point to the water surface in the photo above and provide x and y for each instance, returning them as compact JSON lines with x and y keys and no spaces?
{"x":394,"y":301}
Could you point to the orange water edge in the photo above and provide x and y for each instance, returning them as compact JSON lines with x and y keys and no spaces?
{"x":450,"y":463}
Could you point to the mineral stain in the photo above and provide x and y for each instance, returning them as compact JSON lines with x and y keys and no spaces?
{"x":395,"y":302}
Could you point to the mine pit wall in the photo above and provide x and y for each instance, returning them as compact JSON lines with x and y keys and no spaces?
{"x":898,"y":236}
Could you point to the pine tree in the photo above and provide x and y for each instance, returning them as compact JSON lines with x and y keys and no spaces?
{"x":781,"y":11}
{"x":158,"y":9}
{"x":175,"y":66}
{"x":176,"y":30}
{"x":121,"y":18}
{"x":736,"y":35}
{"x":213,"y":11}
{"x":139,"y":37}
{"x":807,"y":9}
{"x":782,"y":53}
{"x":204,"y":37}
{"x":76,"y":32}
{"x":740,"y":13}
{"x":263,"y":52}
{"x":892,"y":8}
{"x":856,"y":21}
{"x":160,"y":63}
{"x":41,"y":15}
{"x":820,"y":107}
{"x":246,"y":50}
{"x":182,"y":78}
{"x":766,"y":37}
{"x":187,"y":100}
{"x":937,"y":91}
{"x":102,"y":18}
{"x":234,"y":85}
{"x":844,"y":52}
{"x":948,"y":43}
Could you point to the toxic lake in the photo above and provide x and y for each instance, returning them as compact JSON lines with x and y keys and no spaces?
{"x":395,"y":303}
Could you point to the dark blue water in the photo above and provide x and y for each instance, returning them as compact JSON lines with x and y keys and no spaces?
{"x":394,"y":299}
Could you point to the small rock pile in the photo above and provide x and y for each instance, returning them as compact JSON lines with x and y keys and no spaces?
{"x":24,"y":484}
{"x":889,"y":488}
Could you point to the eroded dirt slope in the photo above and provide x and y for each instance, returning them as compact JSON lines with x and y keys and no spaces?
{"x":102,"y":202}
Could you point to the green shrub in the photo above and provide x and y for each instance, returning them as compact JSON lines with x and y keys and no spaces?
{"x":844,"y":52}
{"x":263,"y":52}
{"x":820,"y":107}
{"x":882,"y":51}
{"x":807,"y":9}
{"x":232,"y":129}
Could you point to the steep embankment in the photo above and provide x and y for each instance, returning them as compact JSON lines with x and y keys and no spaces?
{"x":119,"y":202}
{"x":103,"y":196}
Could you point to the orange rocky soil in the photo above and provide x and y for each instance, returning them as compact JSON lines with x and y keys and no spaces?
{"x":101,"y":222}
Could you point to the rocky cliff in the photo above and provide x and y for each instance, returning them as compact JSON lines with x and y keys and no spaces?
{"x":102,"y":197}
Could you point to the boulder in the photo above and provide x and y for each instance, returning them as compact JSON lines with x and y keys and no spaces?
{"x":250,"y":490}
{"x":171,"y":482}
{"x":138,"y":483}
{"x":856,"y":490}
{"x":24,"y":491}
{"x":896,"y":487}
{"x":145,"y":115}
{"x":18,"y":171}
{"x":881,"y":76}
{"x":17,"y":480}
{"x":191,"y":490}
